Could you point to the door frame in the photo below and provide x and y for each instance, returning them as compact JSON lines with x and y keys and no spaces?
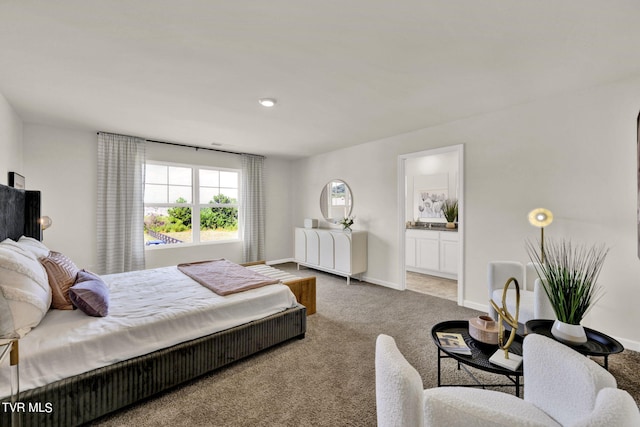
{"x":402,"y":203}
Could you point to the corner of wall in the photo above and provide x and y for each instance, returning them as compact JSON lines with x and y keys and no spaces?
{"x":11,"y":140}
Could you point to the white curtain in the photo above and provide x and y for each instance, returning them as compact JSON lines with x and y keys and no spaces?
{"x":120,"y":216}
{"x":252,"y":208}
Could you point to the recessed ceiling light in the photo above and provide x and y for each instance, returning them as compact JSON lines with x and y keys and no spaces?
{"x":267,"y":102}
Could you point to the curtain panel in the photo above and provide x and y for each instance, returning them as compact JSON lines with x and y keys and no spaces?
{"x":120,"y":209}
{"x":252,"y":208}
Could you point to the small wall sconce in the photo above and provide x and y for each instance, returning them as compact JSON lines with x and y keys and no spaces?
{"x":45,"y":222}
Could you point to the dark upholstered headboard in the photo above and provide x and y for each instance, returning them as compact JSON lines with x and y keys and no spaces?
{"x":19,"y":213}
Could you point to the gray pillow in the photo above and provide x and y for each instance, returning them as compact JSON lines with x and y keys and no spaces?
{"x":90,"y":294}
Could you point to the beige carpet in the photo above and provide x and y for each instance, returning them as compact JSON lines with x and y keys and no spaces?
{"x":328,"y":378}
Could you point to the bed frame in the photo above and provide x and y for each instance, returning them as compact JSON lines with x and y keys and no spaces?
{"x":85,"y":397}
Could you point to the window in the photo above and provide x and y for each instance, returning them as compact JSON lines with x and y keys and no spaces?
{"x":177,"y":196}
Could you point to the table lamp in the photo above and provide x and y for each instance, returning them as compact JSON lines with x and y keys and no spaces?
{"x":45,"y":222}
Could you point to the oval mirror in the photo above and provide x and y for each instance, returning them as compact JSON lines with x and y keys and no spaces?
{"x":336,"y":201}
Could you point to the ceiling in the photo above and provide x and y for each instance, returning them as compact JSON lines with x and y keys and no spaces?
{"x":343,"y":72}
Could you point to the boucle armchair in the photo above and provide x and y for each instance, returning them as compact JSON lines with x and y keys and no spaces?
{"x":561,"y":388}
{"x":534,"y":303}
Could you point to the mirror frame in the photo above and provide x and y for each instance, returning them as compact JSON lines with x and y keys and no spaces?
{"x":325,"y":197}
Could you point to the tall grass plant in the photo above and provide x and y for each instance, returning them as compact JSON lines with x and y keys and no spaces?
{"x":569,"y":276}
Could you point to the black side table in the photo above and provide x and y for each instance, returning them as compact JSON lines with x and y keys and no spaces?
{"x":598,"y":344}
{"x":480,"y":354}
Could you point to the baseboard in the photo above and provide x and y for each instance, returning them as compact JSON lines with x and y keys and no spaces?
{"x":435,"y":273}
{"x":280,"y":261}
{"x":629,"y":344}
{"x":476,"y":306}
{"x":379,"y":282}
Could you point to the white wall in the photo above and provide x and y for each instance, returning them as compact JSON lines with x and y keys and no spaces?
{"x":370,"y":172}
{"x":278,"y":200}
{"x":11,"y":126}
{"x":574,"y":154}
{"x":62,"y":164}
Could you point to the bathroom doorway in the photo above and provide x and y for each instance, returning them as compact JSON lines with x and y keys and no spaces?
{"x":431,"y":255}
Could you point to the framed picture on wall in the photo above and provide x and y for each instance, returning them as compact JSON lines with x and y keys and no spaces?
{"x":429,"y":202}
{"x":16,"y":180}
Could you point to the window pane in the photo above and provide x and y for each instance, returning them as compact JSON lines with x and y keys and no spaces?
{"x":218,"y":224}
{"x":167,"y":226}
{"x":154,"y":193}
{"x":167,"y":184}
{"x":228,"y":179}
{"x":207,"y":194}
{"x":209,"y":178}
{"x":231,"y":193}
{"x":338,"y":194}
{"x":155,"y":174}
{"x":179,"y":194}
{"x":179,"y":176}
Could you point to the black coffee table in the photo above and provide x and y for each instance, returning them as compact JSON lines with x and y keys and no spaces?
{"x":598,"y":344}
{"x":479,"y":358}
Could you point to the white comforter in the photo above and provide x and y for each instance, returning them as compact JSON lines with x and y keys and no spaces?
{"x":149,"y":310}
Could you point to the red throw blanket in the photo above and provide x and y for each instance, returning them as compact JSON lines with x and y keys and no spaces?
{"x":225,"y":277}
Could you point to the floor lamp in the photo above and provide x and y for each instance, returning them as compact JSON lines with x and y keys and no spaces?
{"x":541,"y":217}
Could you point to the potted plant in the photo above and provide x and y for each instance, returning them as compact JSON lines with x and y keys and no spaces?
{"x":569,"y":277}
{"x":347,"y":222}
{"x":450,"y":212}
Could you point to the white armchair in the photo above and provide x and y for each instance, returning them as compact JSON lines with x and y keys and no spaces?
{"x":561,"y":388}
{"x":534,"y":303}
{"x":530,"y":276}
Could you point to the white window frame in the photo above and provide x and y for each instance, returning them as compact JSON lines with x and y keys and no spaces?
{"x":195,"y":204}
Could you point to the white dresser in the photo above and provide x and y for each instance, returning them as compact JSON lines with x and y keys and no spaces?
{"x":332,"y":251}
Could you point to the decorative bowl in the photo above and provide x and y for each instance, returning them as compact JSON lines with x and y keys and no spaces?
{"x":484,"y":329}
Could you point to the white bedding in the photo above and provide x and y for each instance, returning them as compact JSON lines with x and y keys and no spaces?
{"x":149,"y":310}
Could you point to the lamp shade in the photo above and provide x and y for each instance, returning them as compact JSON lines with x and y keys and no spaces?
{"x":540,"y":217}
{"x":45,"y":222}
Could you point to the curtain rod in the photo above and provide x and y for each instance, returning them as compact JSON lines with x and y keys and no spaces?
{"x":195,"y":147}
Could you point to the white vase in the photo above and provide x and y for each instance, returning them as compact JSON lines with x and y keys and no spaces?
{"x":569,"y":334}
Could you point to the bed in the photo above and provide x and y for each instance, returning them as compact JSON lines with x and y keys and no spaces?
{"x":188,"y":352}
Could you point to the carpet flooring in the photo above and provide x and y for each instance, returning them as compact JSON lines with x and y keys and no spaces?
{"x":328,"y":378}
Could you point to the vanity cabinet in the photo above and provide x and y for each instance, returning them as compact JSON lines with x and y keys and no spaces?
{"x":432,"y":252}
{"x":333,"y":251}
{"x":449,"y":252}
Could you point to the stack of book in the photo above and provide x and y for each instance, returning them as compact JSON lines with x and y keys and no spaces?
{"x":453,"y":343}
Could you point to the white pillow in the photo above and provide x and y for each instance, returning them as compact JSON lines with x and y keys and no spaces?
{"x":24,"y":290}
{"x":35,"y":246}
